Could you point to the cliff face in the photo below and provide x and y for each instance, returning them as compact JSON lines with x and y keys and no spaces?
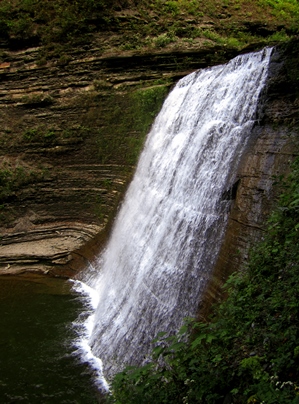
{"x":70,"y":134}
{"x":274,"y":146}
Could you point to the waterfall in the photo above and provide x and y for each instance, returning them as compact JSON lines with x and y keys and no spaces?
{"x":169,"y":229}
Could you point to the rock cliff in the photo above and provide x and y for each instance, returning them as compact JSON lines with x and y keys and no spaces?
{"x":274,"y":146}
{"x":70,"y":134}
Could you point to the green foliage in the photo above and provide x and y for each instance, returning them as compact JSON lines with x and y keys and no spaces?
{"x":283,"y":9}
{"x":152,"y":23}
{"x":162,"y":40}
{"x":13,"y":177}
{"x":48,"y":21}
{"x":37,"y":100}
{"x":39,"y":135}
{"x":249,"y":351}
{"x":172,"y":7}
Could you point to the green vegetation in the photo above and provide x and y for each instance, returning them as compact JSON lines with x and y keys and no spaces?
{"x":283,"y":10}
{"x":234,"y":23}
{"x":144,"y":24}
{"x":36,"y":135}
{"x":42,"y":137}
{"x":249,"y":350}
{"x":14,"y":175}
{"x":59,"y":21}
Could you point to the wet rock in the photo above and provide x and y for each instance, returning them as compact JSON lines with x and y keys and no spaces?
{"x":268,"y":156}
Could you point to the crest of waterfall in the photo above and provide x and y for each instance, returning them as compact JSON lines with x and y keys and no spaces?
{"x":169,"y":229}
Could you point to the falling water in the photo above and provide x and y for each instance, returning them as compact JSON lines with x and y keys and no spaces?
{"x":169,"y":229}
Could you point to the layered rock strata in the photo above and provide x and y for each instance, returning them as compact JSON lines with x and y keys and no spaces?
{"x":70,"y":132}
{"x":67,"y":131}
{"x":274,"y":146}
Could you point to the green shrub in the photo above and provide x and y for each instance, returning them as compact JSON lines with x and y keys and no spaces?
{"x":163,"y":40}
{"x":172,"y":7}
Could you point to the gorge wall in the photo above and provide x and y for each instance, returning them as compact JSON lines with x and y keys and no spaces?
{"x":274,"y":147}
{"x":70,"y":134}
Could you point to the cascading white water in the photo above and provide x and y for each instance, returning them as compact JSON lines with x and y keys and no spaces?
{"x":168,"y":232}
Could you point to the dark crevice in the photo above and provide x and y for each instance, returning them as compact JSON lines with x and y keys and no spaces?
{"x":231,"y":193}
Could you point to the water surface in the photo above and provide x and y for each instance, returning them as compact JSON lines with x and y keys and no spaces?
{"x":36,"y":360}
